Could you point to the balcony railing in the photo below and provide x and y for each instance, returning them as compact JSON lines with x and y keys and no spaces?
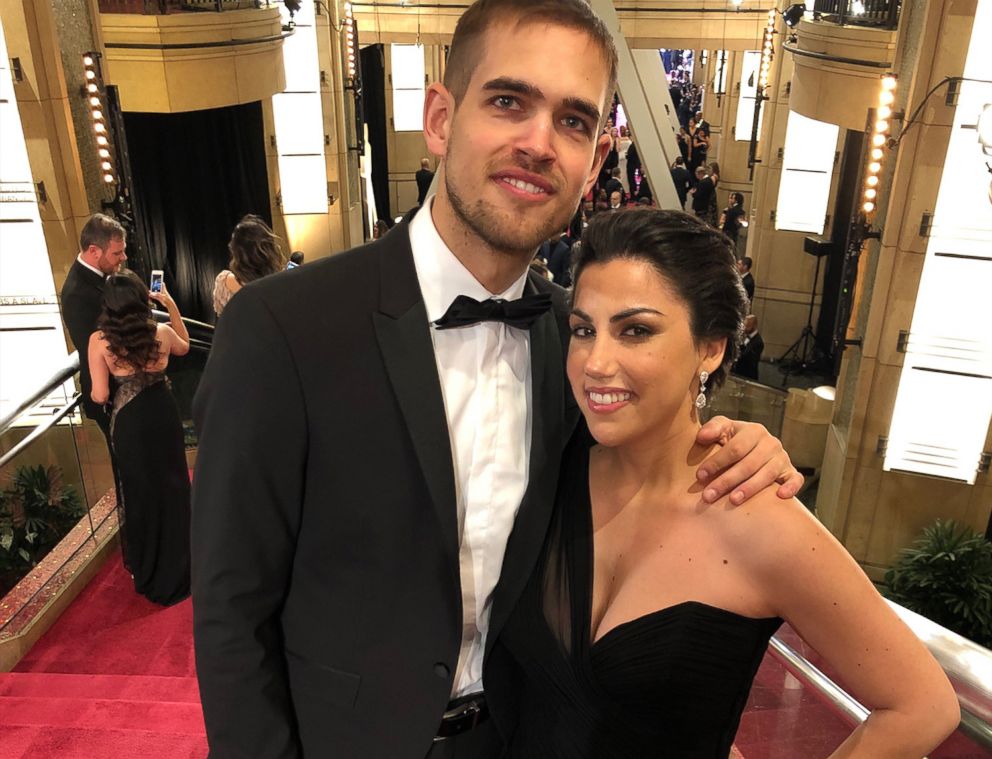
{"x":161,"y":7}
{"x":882,"y":14}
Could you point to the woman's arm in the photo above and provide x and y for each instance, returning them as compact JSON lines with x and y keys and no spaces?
{"x":96,"y":353}
{"x":815,"y":584}
{"x":179,"y":346}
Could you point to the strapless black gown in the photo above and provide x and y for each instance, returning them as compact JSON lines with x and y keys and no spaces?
{"x":669,"y":685}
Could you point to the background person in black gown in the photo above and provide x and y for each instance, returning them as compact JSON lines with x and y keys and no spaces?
{"x":146,"y":433}
{"x":648,"y":615}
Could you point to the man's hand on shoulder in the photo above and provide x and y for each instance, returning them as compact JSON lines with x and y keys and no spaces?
{"x":749,"y":460}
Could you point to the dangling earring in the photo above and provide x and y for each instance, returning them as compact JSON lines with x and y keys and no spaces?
{"x":701,"y":398}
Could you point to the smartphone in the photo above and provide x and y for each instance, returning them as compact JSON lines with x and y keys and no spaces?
{"x":156,"y":283}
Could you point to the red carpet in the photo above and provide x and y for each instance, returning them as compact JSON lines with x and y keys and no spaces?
{"x":113,"y":679}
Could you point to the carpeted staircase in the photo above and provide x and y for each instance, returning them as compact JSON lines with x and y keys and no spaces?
{"x":113,"y":679}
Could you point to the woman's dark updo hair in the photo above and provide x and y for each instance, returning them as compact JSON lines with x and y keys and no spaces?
{"x":697,"y":261}
{"x":254,"y":251}
{"x":126,"y":321}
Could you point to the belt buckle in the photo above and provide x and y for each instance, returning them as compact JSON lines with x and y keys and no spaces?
{"x":471,"y":709}
{"x":463,"y":710}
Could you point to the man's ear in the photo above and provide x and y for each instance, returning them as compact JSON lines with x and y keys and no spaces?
{"x":602,"y":149}
{"x":439,"y":110}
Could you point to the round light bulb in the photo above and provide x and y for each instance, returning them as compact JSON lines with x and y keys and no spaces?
{"x":106,"y":166}
{"x":91,"y":87}
{"x":878,"y":140}
{"x":870,"y":194}
{"x":884,"y":112}
{"x":881,"y":126}
{"x":91,"y":75}
{"x":95,"y":102}
{"x":97,"y":115}
{"x":87,"y":60}
{"x":108,"y":178}
{"x":868,"y":207}
{"x":876,"y":154}
{"x":103,"y":153}
{"x":101,"y":140}
{"x":99,"y":128}
{"x":874,"y":167}
{"x":888,"y":83}
{"x":872,"y":181}
{"x":886,"y":98}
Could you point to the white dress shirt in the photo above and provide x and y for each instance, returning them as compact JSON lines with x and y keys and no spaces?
{"x":79,"y":257}
{"x":486,"y":385}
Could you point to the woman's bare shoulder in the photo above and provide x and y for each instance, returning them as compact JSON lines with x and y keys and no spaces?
{"x":767,"y":531}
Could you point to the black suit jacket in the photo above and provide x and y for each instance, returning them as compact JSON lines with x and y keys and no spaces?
{"x":82,"y":301}
{"x":681,"y":178}
{"x":326,"y":589}
{"x":747,"y":363}
{"x":424,"y":179}
{"x":748,"y":281}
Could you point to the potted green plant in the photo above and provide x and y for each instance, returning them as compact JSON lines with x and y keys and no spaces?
{"x":947,"y":577}
{"x":36,"y":511}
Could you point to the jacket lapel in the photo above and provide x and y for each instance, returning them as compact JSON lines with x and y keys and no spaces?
{"x":403,"y":334}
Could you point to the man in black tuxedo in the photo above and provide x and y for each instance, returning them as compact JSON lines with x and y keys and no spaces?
{"x":372,"y":492}
{"x":751,"y":349}
{"x":747,"y":278}
{"x":424,"y":178}
{"x":615,"y":185}
{"x":682,"y":180}
{"x":102,"y":251}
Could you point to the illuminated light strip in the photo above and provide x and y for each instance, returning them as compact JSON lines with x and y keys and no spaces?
{"x":92,"y":91}
{"x":879,"y":138}
{"x":767,"y":52}
{"x":349,"y":30}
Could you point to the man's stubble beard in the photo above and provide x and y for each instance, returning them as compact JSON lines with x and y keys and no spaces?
{"x":501,"y":234}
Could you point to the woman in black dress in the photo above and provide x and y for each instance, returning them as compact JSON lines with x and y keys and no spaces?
{"x":642,"y":627}
{"x":132,"y":352}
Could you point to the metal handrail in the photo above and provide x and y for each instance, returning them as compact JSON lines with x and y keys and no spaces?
{"x":808,"y":672}
{"x":967,"y":665}
{"x":41,"y":429}
{"x":63,"y":374}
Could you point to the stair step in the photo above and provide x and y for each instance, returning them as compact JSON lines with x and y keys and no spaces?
{"x":78,"y":743}
{"x":166,"y":717}
{"x":113,"y":687}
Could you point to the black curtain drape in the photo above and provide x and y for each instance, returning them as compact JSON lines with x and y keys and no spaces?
{"x":374,"y":100}
{"x":194,"y":175}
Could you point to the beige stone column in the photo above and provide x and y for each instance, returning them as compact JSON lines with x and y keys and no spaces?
{"x":876,"y":513}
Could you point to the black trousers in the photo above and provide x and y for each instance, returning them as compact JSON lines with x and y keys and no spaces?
{"x":481,"y":743}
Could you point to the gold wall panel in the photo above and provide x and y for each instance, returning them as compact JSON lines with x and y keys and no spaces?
{"x":185,"y":62}
{"x":839,"y":93}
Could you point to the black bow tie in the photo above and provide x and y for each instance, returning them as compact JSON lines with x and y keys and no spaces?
{"x":520,"y":313}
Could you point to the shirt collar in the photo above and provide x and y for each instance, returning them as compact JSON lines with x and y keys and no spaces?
{"x":441,"y":275}
{"x":93,"y":269}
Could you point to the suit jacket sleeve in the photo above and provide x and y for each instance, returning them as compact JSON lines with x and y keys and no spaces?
{"x":247,"y":500}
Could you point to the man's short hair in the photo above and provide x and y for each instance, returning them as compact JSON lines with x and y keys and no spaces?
{"x":700,"y":171}
{"x":467,"y":42}
{"x":679,"y":161}
{"x":747,"y":262}
{"x":615,"y":171}
{"x":99,"y":231}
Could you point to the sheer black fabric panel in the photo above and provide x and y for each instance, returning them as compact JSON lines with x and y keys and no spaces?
{"x":195,"y":175}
